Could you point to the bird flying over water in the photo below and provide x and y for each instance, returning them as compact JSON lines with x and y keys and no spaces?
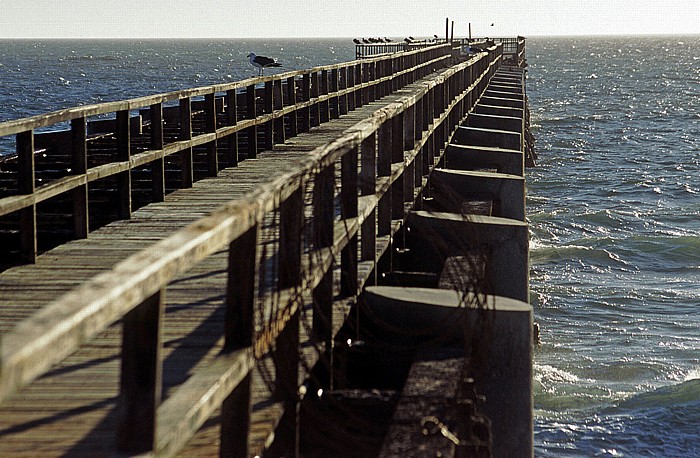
{"x":262,"y":62}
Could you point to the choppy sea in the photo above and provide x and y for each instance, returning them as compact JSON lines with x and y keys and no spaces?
{"x":613,"y":208}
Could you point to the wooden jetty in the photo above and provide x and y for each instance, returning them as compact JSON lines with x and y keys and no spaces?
{"x":184,"y":273}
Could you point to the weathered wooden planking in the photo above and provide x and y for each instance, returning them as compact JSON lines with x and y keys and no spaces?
{"x":90,"y":444}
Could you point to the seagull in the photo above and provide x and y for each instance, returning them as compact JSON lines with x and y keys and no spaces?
{"x":365,"y":41}
{"x":262,"y":62}
{"x":388,"y":40}
{"x":356,"y":41}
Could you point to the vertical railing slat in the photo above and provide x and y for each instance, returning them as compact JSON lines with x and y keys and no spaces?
{"x":252,"y":131}
{"x":186,"y":156}
{"x":157,"y":143}
{"x":348,"y":209}
{"x":238,"y":334}
{"x":81,"y":223}
{"x":323,"y":198}
{"x":292,"y":100}
{"x":124,"y":155}
{"x":210,"y":127}
{"x":232,"y":120}
{"x":26,"y":184}
{"x":286,"y":354}
{"x":368,"y":187}
{"x":141,"y":376}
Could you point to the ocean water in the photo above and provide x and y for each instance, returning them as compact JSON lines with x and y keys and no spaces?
{"x":614,"y":213}
{"x":613,"y":207}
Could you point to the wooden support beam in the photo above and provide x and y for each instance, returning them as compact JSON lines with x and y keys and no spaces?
{"x":124,"y":155}
{"x":81,"y":220}
{"x":286,"y":355}
{"x":238,"y":334}
{"x":141,"y":376}
{"x":157,"y":143}
{"x":323,"y":221}
{"x":292,"y":101}
{"x":277,"y":105}
{"x":210,"y":127}
{"x":252,"y":131}
{"x":186,"y":156}
{"x":269,"y":127}
{"x":26,"y":185}
{"x":348,"y":209}
{"x":368,"y":187}
{"x":232,"y":120}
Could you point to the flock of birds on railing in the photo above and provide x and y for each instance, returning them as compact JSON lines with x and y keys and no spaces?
{"x":380,"y":40}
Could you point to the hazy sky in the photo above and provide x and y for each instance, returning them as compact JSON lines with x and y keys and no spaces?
{"x":347,"y":18}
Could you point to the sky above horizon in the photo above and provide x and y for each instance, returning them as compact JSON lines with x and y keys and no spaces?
{"x":358,"y":18}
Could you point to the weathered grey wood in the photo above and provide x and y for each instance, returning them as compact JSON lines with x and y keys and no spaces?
{"x":25,"y":185}
{"x":292,"y":98}
{"x":210,"y":127}
{"x":238,"y":334}
{"x":124,"y":155}
{"x":141,"y":376}
{"x":368,"y":186}
{"x":323,"y":198}
{"x":111,"y":295}
{"x":232,"y":120}
{"x":226,"y":382}
{"x":79,"y":167}
{"x":186,"y":159}
{"x":286,"y":353}
{"x":252,"y":131}
{"x":157,"y":143}
{"x":348,"y":209}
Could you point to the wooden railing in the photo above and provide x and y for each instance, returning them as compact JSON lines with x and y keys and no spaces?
{"x":175,"y":129}
{"x":383,"y":162}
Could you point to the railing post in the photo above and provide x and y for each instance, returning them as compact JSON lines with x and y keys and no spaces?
{"x":315,"y":92}
{"x":141,"y":376}
{"x":26,"y":185}
{"x":323,"y":198}
{"x":325,"y":105}
{"x":277,"y":105}
{"x":157,"y":143}
{"x":368,"y":187}
{"x":292,"y":100}
{"x":186,"y":159}
{"x":210,"y":127}
{"x":384,"y":170}
{"x":232,"y":120}
{"x":252,"y":131}
{"x":286,"y":354}
{"x":397,"y":156}
{"x":238,"y":334}
{"x":334,"y":106}
{"x":124,"y":155}
{"x":343,"y":84}
{"x":79,"y":165}
{"x":350,"y":75}
{"x":348,"y":210}
{"x":358,"y":81}
{"x":268,"y":108}
{"x":305,"y":97}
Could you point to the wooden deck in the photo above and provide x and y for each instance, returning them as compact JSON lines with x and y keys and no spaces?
{"x":70,"y":411}
{"x":191,"y":327}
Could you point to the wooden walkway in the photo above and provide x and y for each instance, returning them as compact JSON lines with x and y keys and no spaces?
{"x":190,"y":328}
{"x":70,"y":411}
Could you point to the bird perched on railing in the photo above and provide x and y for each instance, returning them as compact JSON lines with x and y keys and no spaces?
{"x":365,"y":41}
{"x":356,"y":41}
{"x":262,"y":62}
{"x":388,"y":40}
